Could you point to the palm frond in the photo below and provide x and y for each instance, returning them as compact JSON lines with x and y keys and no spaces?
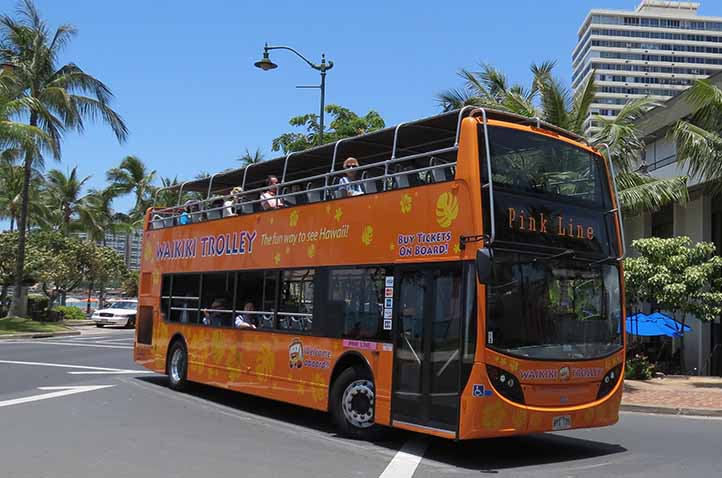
{"x":581,"y":104}
{"x":639,"y":193}
{"x":699,"y":149}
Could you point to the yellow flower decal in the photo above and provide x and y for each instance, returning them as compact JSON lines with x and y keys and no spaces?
{"x":518,"y":419}
{"x":148,"y":253}
{"x":293,"y":218}
{"x":265,"y":362}
{"x":457,"y":249}
{"x":447,"y":209}
{"x":318,"y":391}
{"x":328,"y":209}
{"x":493,"y":416}
{"x":367,"y":236}
{"x":277,"y":258}
{"x":406,"y":203}
{"x":311,"y":251}
{"x":392,"y":246}
{"x":338,"y":215}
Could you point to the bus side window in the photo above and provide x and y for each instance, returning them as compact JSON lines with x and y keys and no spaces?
{"x":250,"y":307}
{"x":296,"y":301}
{"x":217,"y":299}
{"x":355,"y":302}
{"x":185,"y":298}
{"x":165,"y":296}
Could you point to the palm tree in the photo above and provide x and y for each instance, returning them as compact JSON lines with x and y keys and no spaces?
{"x":249,"y":158}
{"x":64,"y":197}
{"x":550,"y":101}
{"x":699,"y":138}
{"x":133,"y":176}
{"x":60,"y":98}
{"x":11,"y":186}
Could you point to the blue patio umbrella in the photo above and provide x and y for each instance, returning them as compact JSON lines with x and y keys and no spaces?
{"x":655,"y":325}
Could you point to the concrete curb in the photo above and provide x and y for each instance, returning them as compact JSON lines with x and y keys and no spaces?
{"x":693,"y":412}
{"x":39,"y":335}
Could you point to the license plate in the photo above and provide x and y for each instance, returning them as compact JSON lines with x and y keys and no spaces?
{"x":563,"y":422}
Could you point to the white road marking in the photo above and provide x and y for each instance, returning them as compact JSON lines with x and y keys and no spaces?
{"x":95,"y":370}
{"x":114,"y":372}
{"x":60,"y":392}
{"x":406,"y":460}
{"x":72,"y":344}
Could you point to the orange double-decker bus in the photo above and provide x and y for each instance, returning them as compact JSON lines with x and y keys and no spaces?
{"x":459,"y":276}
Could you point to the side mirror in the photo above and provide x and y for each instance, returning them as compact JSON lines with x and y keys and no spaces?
{"x":484,"y":265}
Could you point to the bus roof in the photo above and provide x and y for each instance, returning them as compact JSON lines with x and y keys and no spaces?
{"x":413,"y":137}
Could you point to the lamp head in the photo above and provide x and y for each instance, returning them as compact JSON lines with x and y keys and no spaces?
{"x":265,"y":63}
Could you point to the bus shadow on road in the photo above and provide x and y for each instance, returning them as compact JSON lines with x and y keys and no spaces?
{"x":270,"y":409}
{"x":493,"y":454}
{"x":485,"y":455}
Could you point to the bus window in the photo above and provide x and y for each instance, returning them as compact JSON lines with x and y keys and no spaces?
{"x":217,"y":299}
{"x":249,"y":299}
{"x":165,"y":296}
{"x":184,"y":298}
{"x":356,"y":302}
{"x":296,"y":301}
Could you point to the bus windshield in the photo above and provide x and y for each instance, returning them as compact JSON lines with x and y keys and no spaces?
{"x":538,"y":164}
{"x":557,"y":309}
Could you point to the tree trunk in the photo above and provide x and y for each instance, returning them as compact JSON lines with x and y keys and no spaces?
{"x":12,"y":223}
{"x":19,"y":306}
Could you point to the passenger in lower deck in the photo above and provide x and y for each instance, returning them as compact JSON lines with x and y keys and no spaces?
{"x":246,"y":320}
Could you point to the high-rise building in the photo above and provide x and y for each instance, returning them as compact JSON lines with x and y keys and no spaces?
{"x":128,"y":245}
{"x":657,"y":50}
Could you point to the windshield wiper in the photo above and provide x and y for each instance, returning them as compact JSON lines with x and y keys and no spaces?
{"x":555,"y":256}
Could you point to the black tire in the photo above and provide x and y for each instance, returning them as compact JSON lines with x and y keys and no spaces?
{"x":177,"y":366}
{"x":358,"y":380}
{"x":100,"y":326}
{"x":130,"y":324}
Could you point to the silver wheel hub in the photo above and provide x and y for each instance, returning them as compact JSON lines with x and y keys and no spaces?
{"x":358,"y":403}
{"x":176,"y":365}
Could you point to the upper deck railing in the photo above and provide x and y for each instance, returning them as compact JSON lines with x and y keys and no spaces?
{"x":427,"y":155}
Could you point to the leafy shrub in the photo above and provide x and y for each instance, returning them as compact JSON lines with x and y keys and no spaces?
{"x":69,"y":313}
{"x":639,"y":368}
{"x":38,"y":307}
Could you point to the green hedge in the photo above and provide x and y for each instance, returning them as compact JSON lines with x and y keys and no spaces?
{"x":69,"y":313}
{"x":639,"y":368}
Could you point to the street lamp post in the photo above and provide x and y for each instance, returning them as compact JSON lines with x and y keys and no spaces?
{"x":266,"y":64}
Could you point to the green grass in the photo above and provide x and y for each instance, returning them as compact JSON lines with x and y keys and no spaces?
{"x":17,"y":325}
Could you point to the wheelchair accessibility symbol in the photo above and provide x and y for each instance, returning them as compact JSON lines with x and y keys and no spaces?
{"x":479,"y":391}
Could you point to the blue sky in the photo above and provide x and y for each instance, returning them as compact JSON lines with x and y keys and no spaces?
{"x":183,"y":76}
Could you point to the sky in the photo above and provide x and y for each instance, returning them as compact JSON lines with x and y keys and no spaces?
{"x":183,"y":77}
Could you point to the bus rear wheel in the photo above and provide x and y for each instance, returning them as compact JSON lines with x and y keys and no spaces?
{"x":178,"y":366}
{"x":353,"y":400}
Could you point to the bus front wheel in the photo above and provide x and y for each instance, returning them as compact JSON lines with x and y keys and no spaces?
{"x":178,"y":366}
{"x":353,"y":400}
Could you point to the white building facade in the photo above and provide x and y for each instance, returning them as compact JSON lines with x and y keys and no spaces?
{"x":128,"y":245}
{"x":700,"y":219}
{"x":657,"y":50}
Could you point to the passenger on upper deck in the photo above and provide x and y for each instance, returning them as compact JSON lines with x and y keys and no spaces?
{"x":347,"y":189}
{"x":230,"y":202}
{"x":268,"y":198}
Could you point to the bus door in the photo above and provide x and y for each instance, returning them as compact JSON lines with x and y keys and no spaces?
{"x":427,"y":360}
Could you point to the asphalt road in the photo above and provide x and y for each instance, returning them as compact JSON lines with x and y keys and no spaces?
{"x":137,"y":427}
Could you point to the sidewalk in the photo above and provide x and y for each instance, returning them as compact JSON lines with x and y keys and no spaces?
{"x":675,"y":395}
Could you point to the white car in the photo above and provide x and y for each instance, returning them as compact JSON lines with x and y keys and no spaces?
{"x":121,"y":312}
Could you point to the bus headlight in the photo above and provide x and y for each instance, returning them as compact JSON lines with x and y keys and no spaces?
{"x":609,"y":381}
{"x":506,"y":384}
